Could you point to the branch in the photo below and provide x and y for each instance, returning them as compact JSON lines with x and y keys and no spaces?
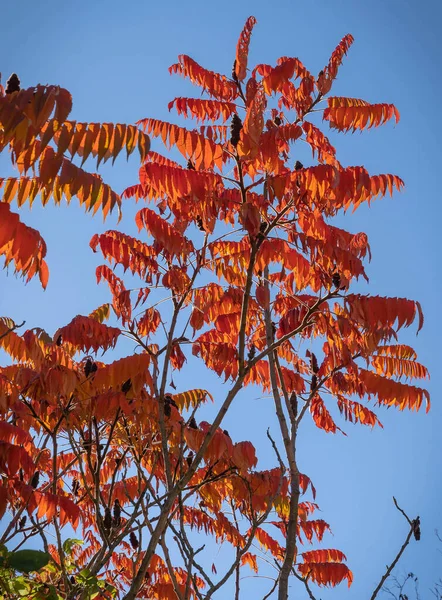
{"x":244,"y":309}
{"x":10,"y":329}
{"x":181,"y":484}
{"x":390,"y":567}
{"x":305,"y":582}
{"x":402,"y":511}
{"x":170,"y":338}
{"x":278,"y":456}
{"x":289,"y":445}
{"x":64,"y":571}
{"x":170,"y":569}
{"x":305,"y":323}
{"x":256,"y":523}
{"x":272,"y":589}
{"x":184,"y":553}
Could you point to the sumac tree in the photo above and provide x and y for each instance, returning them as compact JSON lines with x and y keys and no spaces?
{"x":238,"y":264}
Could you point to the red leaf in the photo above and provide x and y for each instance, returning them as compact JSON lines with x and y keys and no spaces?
{"x":85,"y":333}
{"x":250,"y":218}
{"x":263,"y":296}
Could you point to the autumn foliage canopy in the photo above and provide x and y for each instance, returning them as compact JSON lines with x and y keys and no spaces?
{"x":238,"y":266}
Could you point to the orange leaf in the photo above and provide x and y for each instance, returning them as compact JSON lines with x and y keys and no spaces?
{"x":349,"y":113}
{"x":394,"y":393}
{"x":202,"y":110}
{"x":214,"y":84}
{"x":170,"y":238}
{"x":375,"y":312}
{"x":253,"y":125}
{"x":127,"y":251}
{"x":250,"y":559}
{"x":321,"y":416}
{"x":242,"y":49}
{"x":330,"y":71}
{"x":191,"y":398}
{"x":204,"y":152}
{"x":149,"y":322}
{"x":22,"y":245}
{"x":177,"y":358}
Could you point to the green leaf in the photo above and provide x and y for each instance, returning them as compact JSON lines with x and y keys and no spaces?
{"x":21,"y":586}
{"x":52,"y":568}
{"x":70,"y":543}
{"x":5,"y":584}
{"x":84,"y":574}
{"x":3,"y":554}
{"x":52,"y":595}
{"x":28,"y":560}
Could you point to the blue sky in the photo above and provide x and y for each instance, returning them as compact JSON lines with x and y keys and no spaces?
{"x":114,"y":56}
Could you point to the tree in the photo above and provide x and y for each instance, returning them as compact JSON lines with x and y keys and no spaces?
{"x":243,"y":267}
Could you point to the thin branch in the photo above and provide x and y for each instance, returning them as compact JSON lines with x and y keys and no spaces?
{"x":256,"y":523}
{"x":170,"y":569}
{"x":305,"y":582}
{"x":402,"y":511}
{"x":10,"y":329}
{"x":275,"y":448}
{"x":272,"y":589}
{"x":390,"y":567}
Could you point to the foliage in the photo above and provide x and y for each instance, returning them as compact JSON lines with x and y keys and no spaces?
{"x":34,"y":125}
{"x":240,"y":267}
{"x":43,"y":585}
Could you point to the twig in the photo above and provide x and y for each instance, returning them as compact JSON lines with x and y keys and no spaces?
{"x":11,"y":329}
{"x":305,"y":582}
{"x":275,"y":448}
{"x":402,"y":511}
{"x":256,"y":523}
{"x":272,"y":589}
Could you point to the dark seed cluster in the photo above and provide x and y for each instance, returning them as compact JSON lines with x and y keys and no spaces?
{"x":13,"y":84}
{"x":235,"y":130}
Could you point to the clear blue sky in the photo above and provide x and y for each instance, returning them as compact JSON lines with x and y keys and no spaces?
{"x":113,"y":57}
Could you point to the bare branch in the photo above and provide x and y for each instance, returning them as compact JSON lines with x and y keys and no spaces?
{"x":392,"y":565}
{"x":401,"y":511}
